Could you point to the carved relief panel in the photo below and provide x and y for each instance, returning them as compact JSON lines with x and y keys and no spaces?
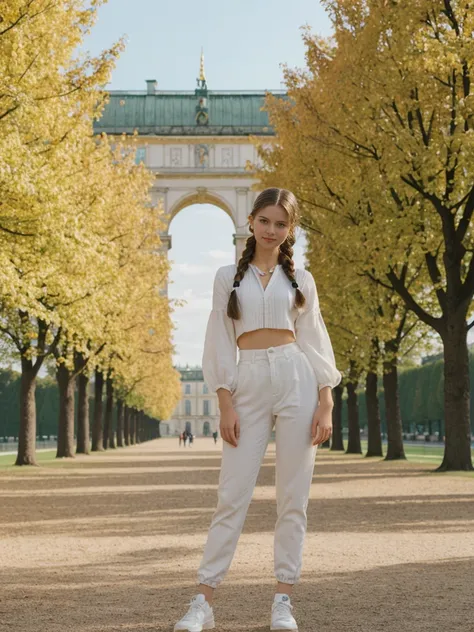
{"x":201,"y":156}
{"x":176,"y":158}
{"x":227,"y":157}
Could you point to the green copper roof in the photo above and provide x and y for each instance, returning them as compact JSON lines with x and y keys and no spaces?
{"x":191,"y":374}
{"x":174,"y":113}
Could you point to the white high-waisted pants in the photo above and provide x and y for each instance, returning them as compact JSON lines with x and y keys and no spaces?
{"x":274,"y":386}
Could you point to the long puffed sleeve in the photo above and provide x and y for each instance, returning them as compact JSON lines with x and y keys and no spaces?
{"x":313,"y":338}
{"x":219,"y":360}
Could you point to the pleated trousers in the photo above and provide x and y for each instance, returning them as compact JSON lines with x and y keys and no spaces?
{"x":276,"y":387}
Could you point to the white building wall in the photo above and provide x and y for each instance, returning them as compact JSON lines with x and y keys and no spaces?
{"x":196,"y":418}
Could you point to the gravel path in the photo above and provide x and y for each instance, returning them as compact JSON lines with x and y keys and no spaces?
{"x":111,"y":542}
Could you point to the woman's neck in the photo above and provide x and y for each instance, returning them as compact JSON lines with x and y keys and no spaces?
{"x":265,"y":259}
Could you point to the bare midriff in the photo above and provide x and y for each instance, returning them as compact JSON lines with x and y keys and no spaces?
{"x":265,"y":338}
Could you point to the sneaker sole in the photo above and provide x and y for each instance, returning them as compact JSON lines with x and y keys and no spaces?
{"x":205,"y":626}
{"x":287,"y":629}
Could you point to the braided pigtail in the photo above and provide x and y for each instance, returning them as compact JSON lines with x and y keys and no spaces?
{"x":285,"y":258}
{"x":233,"y":308}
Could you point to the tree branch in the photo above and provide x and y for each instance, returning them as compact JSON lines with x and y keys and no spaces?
{"x":436,"y":277}
{"x":399,"y":286}
{"x":15,"y":233}
{"x":466,"y":217}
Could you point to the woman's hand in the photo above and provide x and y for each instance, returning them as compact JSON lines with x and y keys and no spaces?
{"x":321,"y":429}
{"x":230,"y":425}
{"x":229,"y":422}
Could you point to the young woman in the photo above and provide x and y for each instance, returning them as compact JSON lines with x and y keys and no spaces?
{"x":284,"y":376}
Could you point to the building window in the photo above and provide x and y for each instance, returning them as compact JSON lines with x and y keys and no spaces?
{"x":140,"y":155}
{"x":205,"y":390}
{"x":187,"y":407}
{"x":187,"y":389}
{"x":206,"y":407}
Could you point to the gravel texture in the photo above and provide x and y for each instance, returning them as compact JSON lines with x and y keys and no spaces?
{"x":112,"y":541}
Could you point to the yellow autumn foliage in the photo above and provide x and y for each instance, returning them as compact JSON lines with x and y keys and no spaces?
{"x":79,"y":245}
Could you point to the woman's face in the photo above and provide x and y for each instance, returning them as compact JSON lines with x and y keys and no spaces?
{"x":270,"y":226}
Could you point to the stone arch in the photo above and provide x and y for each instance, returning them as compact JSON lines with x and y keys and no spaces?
{"x":234,"y":198}
{"x":201,"y":197}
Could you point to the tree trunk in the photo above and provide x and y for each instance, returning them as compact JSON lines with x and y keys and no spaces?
{"x":353,"y":444}
{"x":457,"y":451}
{"x":27,"y":432}
{"x":337,"y":442}
{"x":374,"y":447}
{"x":133,"y":427}
{"x":109,"y":438}
{"x":146,"y":428}
{"x":395,"y":448}
{"x":139,"y":429}
{"x":97,"y":431}
{"x":137,"y":426}
{"x":120,"y":419}
{"x":126,"y":425}
{"x":66,"y":384}
{"x":108,"y":414}
{"x":83,"y":446}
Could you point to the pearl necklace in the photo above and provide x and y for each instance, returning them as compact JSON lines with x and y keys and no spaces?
{"x":266,"y":271}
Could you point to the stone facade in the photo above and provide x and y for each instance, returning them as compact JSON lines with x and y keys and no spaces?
{"x":198,"y":145}
{"x":198,"y":409}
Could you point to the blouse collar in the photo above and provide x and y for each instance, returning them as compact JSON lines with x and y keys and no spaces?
{"x":258,"y":276}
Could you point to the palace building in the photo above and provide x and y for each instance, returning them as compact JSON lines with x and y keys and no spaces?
{"x":197,"y":142}
{"x":198,"y":409}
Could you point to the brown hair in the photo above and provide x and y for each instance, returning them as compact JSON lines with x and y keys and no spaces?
{"x":270,"y":197}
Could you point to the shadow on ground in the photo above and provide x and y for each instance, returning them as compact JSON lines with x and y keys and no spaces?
{"x":112,"y":542}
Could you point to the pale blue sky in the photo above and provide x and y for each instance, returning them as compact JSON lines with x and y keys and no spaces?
{"x":244,"y":42}
{"x":244,"y":45}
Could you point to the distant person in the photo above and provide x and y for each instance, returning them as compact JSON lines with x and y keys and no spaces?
{"x":191,"y":439}
{"x":286,"y":370}
{"x":214,"y":434}
{"x":180,"y":438}
{"x":185,"y":436}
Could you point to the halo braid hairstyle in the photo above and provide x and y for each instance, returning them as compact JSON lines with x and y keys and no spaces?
{"x":270,"y":197}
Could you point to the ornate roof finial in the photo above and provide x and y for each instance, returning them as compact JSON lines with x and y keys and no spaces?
{"x":202,"y":112}
{"x":202,"y":73}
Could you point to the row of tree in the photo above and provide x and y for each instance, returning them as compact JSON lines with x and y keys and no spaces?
{"x":376,"y":139}
{"x":82,"y":270}
{"x":112,"y":424}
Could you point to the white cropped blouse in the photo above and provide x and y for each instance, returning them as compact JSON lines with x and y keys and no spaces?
{"x":272,"y":307}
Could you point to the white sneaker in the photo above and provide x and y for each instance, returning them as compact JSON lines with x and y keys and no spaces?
{"x":282,"y":619}
{"x":198,"y":617}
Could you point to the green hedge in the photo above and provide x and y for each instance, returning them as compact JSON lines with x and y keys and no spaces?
{"x":421,"y":398}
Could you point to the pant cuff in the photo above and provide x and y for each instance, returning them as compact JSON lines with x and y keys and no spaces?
{"x":207,"y":582}
{"x":286,"y":579}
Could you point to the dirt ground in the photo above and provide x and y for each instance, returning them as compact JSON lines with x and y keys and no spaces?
{"x":112,"y":542}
